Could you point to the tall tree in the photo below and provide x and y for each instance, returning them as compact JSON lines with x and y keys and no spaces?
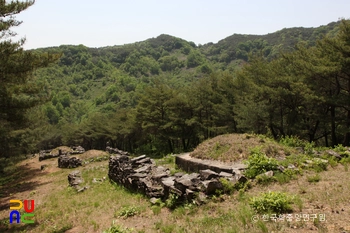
{"x":19,"y":90}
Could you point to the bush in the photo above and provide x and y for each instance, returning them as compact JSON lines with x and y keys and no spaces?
{"x":228,"y":186}
{"x":117,"y":229}
{"x":129,"y":211}
{"x":292,"y":141}
{"x":272,"y":202}
{"x":259,"y":163}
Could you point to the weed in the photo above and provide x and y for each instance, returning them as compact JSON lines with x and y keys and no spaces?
{"x":32,"y":193}
{"x":172,"y":201}
{"x":128,"y":211}
{"x":259,"y":163}
{"x":265,"y":180}
{"x":314,"y":179}
{"x":319,"y":165}
{"x":156,"y":209}
{"x":274,"y":202}
{"x":228,"y":186}
{"x":117,"y":229}
{"x":297,"y":200}
{"x":292,"y":141}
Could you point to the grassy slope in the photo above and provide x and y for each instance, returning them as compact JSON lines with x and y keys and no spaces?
{"x":236,"y":147}
{"x":59,"y":208}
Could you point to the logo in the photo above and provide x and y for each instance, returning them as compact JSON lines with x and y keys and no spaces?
{"x":22,"y":217}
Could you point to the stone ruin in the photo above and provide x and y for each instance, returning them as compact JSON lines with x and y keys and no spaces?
{"x":48,"y":154}
{"x":142,"y":175}
{"x":64,"y":161}
{"x":116,"y":151}
{"x":75,"y":180}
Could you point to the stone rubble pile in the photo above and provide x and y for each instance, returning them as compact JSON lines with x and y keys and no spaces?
{"x":142,"y":175}
{"x":48,"y":154}
{"x":75,"y":180}
{"x":77,"y":150}
{"x":64,"y":161}
{"x":116,"y":151}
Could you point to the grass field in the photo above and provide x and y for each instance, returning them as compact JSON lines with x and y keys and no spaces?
{"x":105,"y":206}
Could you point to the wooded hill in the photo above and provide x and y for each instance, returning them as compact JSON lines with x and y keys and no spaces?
{"x":166,"y":94}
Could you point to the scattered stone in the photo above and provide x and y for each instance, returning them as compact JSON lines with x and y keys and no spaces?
{"x":138,"y":158}
{"x":116,"y":151}
{"x":43,"y":167}
{"x":208,"y":174}
{"x":268,"y":173}
{"x":242,"y":179}
{"x":82,"y":189}
{"x":77,"y":150}
{"x":281,"y":168}
{"x":225,"y":175}
{"x":65,"y":161}
{"x":96,"y":180}
{"x":154,"y":200}
{"x":333,"y":153}
{"x":74,"y":178}
{"x":211,"y":186}
{"x":47,"y":154}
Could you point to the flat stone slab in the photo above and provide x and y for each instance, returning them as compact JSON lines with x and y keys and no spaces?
{"x":190,"y":164}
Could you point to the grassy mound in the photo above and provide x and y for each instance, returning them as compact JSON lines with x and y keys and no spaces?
{"x":236,"y":147}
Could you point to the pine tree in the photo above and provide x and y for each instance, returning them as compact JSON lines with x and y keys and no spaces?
{"x":19,"y":90}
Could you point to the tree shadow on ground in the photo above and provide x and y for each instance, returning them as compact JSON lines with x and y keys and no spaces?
{"x":18,"y":180}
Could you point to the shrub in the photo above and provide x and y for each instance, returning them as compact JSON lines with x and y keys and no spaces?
{"x":259,"y":163}
{"x":228,"y":186}
{"x":117,"y":229}
{"x":292,"y":141}
{"x":272,"y":202}
{"x":129,"y":211}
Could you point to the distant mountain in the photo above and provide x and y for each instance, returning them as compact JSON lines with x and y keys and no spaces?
{"x":239,"y":46}
{"x":110,"y":79}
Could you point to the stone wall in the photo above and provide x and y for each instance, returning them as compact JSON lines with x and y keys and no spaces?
{"x":189,"y":164}
{"x":142,"y":175}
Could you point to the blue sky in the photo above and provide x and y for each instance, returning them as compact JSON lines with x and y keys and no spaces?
{"x":113,"y":22}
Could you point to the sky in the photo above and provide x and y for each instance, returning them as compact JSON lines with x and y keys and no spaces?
{"x":102,"y":23}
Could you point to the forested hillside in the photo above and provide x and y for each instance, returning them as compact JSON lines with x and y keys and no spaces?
{"x":167,"y":95}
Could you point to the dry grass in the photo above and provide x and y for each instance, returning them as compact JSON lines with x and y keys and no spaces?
{"x":236,"y":147}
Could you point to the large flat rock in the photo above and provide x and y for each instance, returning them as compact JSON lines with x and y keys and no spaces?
{"x":190,"y":164}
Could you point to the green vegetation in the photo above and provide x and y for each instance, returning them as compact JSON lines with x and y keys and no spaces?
{"x":272,"y":202}
{"x":128,"y":211}
{"x":259,"y":163}
{"x":314,"y":179}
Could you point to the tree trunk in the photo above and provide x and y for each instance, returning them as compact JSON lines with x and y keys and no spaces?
{"x":333,"y":133}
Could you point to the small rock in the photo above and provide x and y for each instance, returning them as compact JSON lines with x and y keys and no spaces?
{"x":225,"y":175}
{"x":154,"y":200}
{"x":208,"y":174}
